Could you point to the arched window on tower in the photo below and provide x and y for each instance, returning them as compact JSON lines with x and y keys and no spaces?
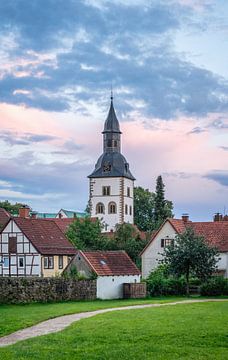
{"x":100,"y":209}
{"x":112,"y":208}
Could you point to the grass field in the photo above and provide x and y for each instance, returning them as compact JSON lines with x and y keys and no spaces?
{"x":196,"y":331}
{"x":15,"y":317}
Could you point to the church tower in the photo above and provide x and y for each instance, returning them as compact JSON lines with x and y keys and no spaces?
{"x":111,"y":182}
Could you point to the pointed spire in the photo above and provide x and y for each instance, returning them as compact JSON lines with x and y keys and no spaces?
{"x":111,"y":123}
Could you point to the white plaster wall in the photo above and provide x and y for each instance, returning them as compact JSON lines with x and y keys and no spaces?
{"x":223,"y":263}
{"x":151,"y":255}
{"x":110,"y":219}
{"x":111,"y":287}
{"x":128,"y":200}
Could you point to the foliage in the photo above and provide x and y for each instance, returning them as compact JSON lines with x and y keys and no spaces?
{"x":85,"y":234}
{"x":11,"y":208}
{"x":143,"y":208}
{"x":127,"y":238}
{"x":217,"y":285}
{"x":160,"y":283}
{"x":162,"y":208}
{"x":190,"y":255}
{"x":151,"y":209}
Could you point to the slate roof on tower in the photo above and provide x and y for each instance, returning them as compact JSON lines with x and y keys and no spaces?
{"x":111,"y":123}
{"x":112,"y":163}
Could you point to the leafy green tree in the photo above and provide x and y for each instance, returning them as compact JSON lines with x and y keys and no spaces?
{"x":85,"y":234}
{"x":144,"y":208}
{"x":151,"y":209}
{"x":127,"y":238}
{"x":162,"y":207}
{"x":11,"y":208}
{"x":190,"y":255}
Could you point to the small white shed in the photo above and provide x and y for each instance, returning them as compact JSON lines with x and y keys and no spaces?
{"x":112,"y":268}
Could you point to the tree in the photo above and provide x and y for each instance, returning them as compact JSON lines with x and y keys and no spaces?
{"x":85,"y":234}
{"x":11,"y":208}
{"x":190,"y":255}
{"x":162,"y":207}
{"x":144,"y":209}
{"x":127,"y":237}
{"x":151,"y":209}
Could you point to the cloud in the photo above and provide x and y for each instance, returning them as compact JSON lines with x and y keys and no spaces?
{"x":225,"y":148}
{"x":14,"y":138}
{"x":197,"y":130}
{"x":219,"y":176}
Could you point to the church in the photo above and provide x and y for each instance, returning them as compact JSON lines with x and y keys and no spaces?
{"x":111,"y":184}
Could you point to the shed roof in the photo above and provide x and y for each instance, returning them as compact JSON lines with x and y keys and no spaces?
{"x":110,"y":263}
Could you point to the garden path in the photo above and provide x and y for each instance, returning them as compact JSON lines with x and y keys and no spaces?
{"x":61,"y":322}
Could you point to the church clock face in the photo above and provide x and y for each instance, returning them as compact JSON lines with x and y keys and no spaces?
{"x":107,"y":167}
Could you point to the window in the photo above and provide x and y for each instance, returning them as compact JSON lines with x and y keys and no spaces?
{"x":130,"y":210}
{"x":12,"y":244}
{"x":112,"y":208}
{"x":128,"y":192}
{"x":48,"y":262}
{"x":5,"y":262}
{"x":106,"y":191}
{"x":126,"y":209}
{"x":100,"y":208}
{"x":60,"y":261}
{"x":166,"y":242}
{"x":21,"y":262}
{"x":109,"y":143}
{"x":115,"y":143}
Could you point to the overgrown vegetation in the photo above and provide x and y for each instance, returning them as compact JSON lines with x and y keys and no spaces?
{"x":214,"y":286}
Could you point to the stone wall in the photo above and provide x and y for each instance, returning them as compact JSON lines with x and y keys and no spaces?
{"x":26,"y":290}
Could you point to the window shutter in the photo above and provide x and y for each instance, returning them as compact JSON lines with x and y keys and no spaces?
{"x":162,"y":243}
{"x":12,"y":245}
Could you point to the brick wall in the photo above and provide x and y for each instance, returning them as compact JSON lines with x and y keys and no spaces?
{"x":26,"y":290}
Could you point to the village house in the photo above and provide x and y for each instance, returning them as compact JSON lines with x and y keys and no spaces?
{"x":112,"y":269}
{"x":33,"y":247}
{"x":214,"y":232}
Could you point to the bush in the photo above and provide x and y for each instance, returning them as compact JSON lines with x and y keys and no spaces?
{"x":159,"y":283}
{"x":217,"y":285}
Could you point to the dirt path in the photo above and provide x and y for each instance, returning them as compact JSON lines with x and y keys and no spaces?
{"x":60,"y":323}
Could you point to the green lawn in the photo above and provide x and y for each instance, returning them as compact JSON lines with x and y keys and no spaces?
{"x":195,"y":331}
{"x":15,"y":317}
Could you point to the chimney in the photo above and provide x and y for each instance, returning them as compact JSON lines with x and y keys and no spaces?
{"x":218,"y":217}
{"x":24,"y":211}
{"x":33,"y":215}
{"x":185,"y":218}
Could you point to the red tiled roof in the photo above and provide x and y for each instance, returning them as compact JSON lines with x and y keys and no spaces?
{"x":107,"y":263}
{"x":46,"y":236}
{"x":4,"y":218}
{"x":214,"y":232}
{"x":63,"y":223}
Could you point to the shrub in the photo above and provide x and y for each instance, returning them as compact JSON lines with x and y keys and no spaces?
{"x":217,"y":285}
{"x":159,"y":283}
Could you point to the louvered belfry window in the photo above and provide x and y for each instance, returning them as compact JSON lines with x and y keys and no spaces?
{"x":12,"y":245}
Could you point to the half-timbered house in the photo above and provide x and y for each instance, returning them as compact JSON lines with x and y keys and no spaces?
{"x":32,"y":247}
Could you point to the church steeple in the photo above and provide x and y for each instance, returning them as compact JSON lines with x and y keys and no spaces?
{"x":111,"y":132}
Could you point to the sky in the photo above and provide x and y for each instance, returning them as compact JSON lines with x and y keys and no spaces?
{"x":167,"y":63}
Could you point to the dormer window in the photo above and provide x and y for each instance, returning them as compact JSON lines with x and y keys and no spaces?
{"x":107,"y":167}
{"x":126,"y":166}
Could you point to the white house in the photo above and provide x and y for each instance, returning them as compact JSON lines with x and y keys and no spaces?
{"x":112,"y":269}
{"x":215,"y":233}
{"x":111,"y":182}
{"x":32,"y":247}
